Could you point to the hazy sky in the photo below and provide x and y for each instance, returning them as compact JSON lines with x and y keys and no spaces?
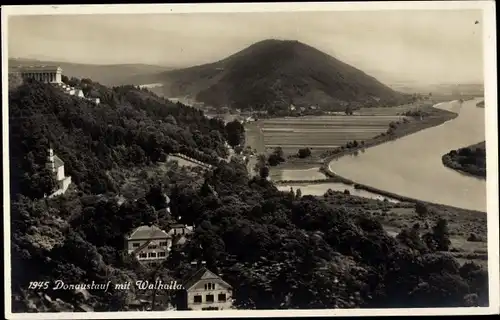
{"x":421,"y":46}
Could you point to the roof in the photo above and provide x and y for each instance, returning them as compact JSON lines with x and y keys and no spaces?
{"x":58,"y":162}
{"x":40,"y":68}
{"x":203,"y":274}
{"x":148,"y":232}
{"x":177,"y":225}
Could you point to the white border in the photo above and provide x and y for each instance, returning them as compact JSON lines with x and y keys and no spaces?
{"x":489,"y":43}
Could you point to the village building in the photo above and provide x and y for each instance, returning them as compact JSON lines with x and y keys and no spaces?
{"x":204,"y":290}
{"x":56,"y":166}
{"x":49,"y":74}
{"x":149,"y":244}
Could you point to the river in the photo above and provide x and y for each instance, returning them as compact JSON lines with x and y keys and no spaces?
{"x":411,"y":166}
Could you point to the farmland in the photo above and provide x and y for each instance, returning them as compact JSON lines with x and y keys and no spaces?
{"x":317,"y":132}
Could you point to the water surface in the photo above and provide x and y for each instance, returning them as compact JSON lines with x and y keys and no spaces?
{"x":411,"y":166}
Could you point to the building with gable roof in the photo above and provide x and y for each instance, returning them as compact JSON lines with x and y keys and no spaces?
{"x":204,"y":290}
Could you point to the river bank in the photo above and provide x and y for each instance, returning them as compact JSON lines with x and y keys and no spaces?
{"x":470,"y":161}
{"x":410,"y":165}
{"x":467,"y":229}
{"x":434,"y":117}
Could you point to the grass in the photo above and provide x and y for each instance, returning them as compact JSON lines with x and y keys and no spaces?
{"x":322,"y":132}
{"x":327,"y":132}
{"x":395,"y":216}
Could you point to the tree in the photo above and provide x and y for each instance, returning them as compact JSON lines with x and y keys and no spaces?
{"x":421,"y":209}
{"x":276,"y":157}
{"x":298,"y":194}
{"x":264,"y":172}
{"x":235,"y":133}
{"x":442,"y":235}
{"x":304,"y":152}
{"x":439,"y":238}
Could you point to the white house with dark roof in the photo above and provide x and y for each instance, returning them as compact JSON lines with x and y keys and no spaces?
{"x":149,"y":243}
{"x":204,"y":290}
{"x":56,"y":165}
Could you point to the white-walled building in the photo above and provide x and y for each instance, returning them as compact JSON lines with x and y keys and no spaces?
{"x":56,"y":166}
{"x":205,"y":290}
{"x":149,"y":244}
{"x":49,"y":74}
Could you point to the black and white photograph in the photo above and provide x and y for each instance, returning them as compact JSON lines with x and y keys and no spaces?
{"x":267,"y":159}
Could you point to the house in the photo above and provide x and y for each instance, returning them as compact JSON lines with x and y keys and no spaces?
{"x":56,"y":166}
{"x":292,"y":107}
{"x":204,"y":290}
{"x":179,"y":229}
{"x":79,"y":93}
{"x":95,"y":100}
{"x":149,"y":244}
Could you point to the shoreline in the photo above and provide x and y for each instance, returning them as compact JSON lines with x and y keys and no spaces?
{"x":433,"y":122}
{"x":325,"y":168}
{"x":447,"y":162}
{"x":332,"y":177}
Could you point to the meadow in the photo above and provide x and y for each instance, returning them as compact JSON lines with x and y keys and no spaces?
{"x":320,"y":133}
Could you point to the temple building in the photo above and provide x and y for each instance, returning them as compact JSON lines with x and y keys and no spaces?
{"x":49,"y":74}
{"x":56,"y":165}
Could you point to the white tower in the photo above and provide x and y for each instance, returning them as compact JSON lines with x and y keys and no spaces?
{"x":52,"y":163}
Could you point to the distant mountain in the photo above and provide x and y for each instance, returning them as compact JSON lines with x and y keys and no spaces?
{"x":274,"y":73}
{"x":110,"y":75}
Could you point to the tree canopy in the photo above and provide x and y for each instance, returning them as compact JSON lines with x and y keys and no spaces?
{"x":277,"y":249}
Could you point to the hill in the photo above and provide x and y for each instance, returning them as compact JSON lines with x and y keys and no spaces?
{"x":130,"y":127}
{"x":273,"y":74}
{"x":277,"y":249}
{"x":110,"y":75}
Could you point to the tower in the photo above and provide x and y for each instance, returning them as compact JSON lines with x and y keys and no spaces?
{"x":51,"y":163}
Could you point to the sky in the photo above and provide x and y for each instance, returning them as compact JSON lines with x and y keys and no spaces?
{"x":423,"y":47}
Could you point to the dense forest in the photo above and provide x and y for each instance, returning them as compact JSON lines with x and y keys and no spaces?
{"x":130,"y":127}
{"x":278,"y":249}
{"x":471,"y":159}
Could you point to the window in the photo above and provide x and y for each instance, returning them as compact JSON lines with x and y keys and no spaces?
{"x":142,"y":255}
{"x":222,"y":297}
{"x":135,"y":244}
{"x":162,"y":254}
{"x":209,"y":298}
{"x":163,"y":243}
{"x":152,"y":254}
{"x":152,"y":246}
{"x":197,"y":299}
{"x":209,"y":286}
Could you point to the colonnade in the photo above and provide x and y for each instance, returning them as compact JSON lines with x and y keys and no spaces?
{"x":42,"y":76}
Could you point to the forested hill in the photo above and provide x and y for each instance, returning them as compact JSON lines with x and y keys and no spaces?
{"x":279,"y":250}
{"x":130,"y":127}
{"x":272,"y":74}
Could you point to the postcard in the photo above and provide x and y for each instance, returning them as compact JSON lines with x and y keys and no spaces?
{"x":250,"y":160}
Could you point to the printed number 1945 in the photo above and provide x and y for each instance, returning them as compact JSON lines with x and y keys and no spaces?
{"x":38,"y":285}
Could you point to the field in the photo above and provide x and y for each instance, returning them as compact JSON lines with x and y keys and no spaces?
{"x":320,"y":132}
{"x":395,"y":216}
